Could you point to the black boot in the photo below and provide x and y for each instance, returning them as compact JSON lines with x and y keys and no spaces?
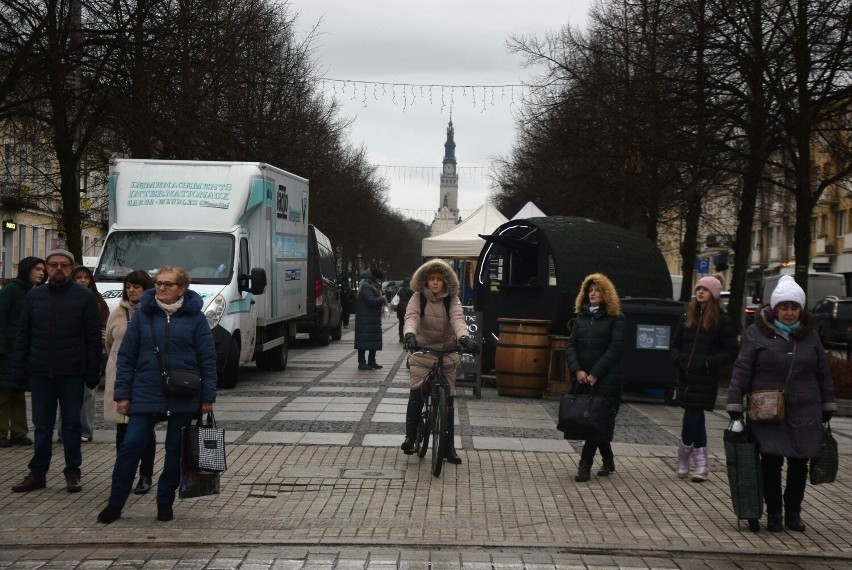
{"x":450,"y":454}
{"x":584,"y":471}
{"x":412,"y":417}
{"x":793,"y":521}
{"x":143,"y":486}
{"x":607,"y":467}
{"x":773,"y":522}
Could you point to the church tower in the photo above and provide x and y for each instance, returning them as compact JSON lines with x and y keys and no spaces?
{"x":449,"y":176}
{"x":448,"y":206}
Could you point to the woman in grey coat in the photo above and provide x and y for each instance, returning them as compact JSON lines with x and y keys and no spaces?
{"x":781,"y":343}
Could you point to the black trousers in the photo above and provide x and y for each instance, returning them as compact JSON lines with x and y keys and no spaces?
{"x":590,"y":447}
{"x":794,"y":492}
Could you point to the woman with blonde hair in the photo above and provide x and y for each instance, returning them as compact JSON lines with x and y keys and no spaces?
{"x":703,"y":342}
{"x":594,"y":354}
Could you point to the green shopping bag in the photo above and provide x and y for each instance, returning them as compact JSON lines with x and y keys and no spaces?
{"x":742,"y":459}
{"x":824,"y":468}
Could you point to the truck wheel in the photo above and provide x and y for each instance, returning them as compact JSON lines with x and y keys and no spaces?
{"x":231,"y":372}
{"x":337,"y":333}
{"x":321,"y":337}
{"x":274,"y":359}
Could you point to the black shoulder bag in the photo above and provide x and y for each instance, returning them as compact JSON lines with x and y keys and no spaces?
{"x":178,"y":383}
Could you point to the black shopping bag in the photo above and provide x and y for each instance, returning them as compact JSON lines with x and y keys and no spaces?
{"x":195,"y":483}
{"x":585,"y":416}
{"x":205,"y":446}
{"x":824,"y":468}
{"x":742,"y":459}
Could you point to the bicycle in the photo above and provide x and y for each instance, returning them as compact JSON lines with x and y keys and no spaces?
{"x":433,"y":418}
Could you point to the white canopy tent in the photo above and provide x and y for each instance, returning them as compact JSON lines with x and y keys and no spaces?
{"x":529,"y":210}
{"x":464,"y":241}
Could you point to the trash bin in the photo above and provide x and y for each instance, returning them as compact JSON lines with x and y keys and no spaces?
{"x":651,"y":325}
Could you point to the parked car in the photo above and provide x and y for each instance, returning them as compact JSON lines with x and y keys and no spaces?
{"x":833,"y":317}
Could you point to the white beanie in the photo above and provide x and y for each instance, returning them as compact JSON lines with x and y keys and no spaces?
{"x":788,"y":290}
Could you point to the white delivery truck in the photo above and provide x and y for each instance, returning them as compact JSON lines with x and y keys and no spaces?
{"x":239,"y":228}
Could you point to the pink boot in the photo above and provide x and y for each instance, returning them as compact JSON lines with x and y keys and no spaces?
{"x":701,"y":469}
{"x":684,"y":453}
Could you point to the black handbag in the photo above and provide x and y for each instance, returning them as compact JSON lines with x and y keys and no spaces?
{"x":823,"y":469}
{"x":183,"y":384}
{"x":585,"y":416}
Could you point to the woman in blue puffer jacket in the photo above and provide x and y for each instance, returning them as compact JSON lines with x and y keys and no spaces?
{"x":173,"y":312}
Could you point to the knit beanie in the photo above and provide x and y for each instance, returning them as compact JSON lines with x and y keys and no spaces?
{"x":711,"y":284}
{"x":788,"y":290}
{"x":63,"y":252}
{"x":25,"y":265}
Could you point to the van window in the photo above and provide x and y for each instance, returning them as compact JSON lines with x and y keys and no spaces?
{"x":245,"y":262}
{"x":207,"y":257}
{"x":328,"y":267}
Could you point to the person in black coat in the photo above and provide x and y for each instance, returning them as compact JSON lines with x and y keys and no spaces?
{"x":594,"y":354}
{"x":368,"y":319}
{"x":704,"y":341}
{"x":57,"y":352}
{"x":404,"y":293}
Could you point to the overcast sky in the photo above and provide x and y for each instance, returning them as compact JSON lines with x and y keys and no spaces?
{"x":429,"y":42}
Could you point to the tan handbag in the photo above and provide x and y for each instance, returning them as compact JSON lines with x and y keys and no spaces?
{"x":768,"y":406}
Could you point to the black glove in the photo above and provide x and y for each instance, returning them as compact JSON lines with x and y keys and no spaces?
{"x":826,"y":417}
{"x":735,"y":416}
{"x":469,"y":345}
{"x":410,"y":343}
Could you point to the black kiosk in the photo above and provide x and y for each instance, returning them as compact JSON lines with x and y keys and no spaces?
{"x":533,"y":268}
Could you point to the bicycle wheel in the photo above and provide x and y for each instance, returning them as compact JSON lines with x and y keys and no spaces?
{"x":439,"y":430}
{"x":422,"y":440}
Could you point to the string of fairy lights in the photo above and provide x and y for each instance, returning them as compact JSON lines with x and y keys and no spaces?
{"x":408,"y":94}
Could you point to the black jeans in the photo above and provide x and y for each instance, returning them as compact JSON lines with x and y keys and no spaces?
{"x":362,"y":356}
{"x":794,"y":493}
{"x":591,"y":446}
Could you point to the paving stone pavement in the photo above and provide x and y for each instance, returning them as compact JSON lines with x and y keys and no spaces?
{"x":316,"y":480}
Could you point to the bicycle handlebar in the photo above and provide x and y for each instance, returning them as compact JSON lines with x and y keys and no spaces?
{"x":456,"y":350}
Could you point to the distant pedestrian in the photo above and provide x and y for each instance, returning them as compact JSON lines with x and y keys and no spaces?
{"x":135,"y":283}
{"x":169,"y":319}
{"x":82,"y":275}
{"x":368,"y":319}
{"x":704,"y":341}
{"x":58,"y":352}
{"x":347,"y":299}
{"x":782,"y":349}
{"x":594,"y":354}
{"x":404,"y":295}
{"x":13,"y":401}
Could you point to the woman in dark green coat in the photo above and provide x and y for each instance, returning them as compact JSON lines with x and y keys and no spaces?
{"x":13,"y":403}
{"x":594,"y":354}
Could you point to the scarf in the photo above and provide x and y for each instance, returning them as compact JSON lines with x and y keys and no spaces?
{"x":788,"y":329}
{"x":170,"y":309}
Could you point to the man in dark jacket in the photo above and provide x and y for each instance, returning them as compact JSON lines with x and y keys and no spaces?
{"x":57,"y":352}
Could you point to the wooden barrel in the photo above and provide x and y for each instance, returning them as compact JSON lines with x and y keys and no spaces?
{"x":522,"y":358}
{"x":558,"y":381}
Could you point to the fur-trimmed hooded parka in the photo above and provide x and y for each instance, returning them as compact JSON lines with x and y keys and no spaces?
{"x":436,"y":329}
{"x":596,"y":345}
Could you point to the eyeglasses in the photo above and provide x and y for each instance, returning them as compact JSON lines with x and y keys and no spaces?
{"x":57,"y":265}
{"x":164,"y":284}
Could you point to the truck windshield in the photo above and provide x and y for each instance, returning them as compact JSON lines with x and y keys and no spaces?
{"x":207,"y":257}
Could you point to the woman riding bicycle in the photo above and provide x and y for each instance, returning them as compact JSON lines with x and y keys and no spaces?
{"x":434,"y":319}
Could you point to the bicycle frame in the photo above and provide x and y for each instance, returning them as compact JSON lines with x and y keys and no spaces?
{"x":433,"y":419}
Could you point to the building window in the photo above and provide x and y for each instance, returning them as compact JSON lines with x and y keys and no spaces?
{"x":35,"y":242}
{"x":754,"y":243}
{"x":840,"y":222}
{"x":22,"y":241}
{"x":770,"y":237}
{"x":814,"y":229}
{"x":791,"y":237}
{"x":823,"y":225}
